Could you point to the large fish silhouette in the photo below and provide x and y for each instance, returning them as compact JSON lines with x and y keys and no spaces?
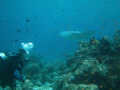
{"x":77,"y":35}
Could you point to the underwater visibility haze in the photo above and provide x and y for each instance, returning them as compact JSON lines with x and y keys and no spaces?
{"x":71,"y":33}
{"x":36,"y":21}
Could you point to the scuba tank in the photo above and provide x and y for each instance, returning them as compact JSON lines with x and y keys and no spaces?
{"x":4,"y":56}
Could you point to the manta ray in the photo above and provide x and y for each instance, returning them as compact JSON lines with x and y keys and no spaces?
{"x":76,"y":35}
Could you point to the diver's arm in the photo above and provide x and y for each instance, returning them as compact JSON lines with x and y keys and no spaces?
{"x":18,"y":76}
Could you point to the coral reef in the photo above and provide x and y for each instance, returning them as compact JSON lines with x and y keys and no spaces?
{"x":94,"y":66}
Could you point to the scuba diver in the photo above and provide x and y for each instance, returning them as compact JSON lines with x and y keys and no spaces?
{"x":10,"y":68}
{"x":11,"y":65}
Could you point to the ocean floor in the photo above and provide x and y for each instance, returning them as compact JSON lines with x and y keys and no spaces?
{"x":94,"y":66}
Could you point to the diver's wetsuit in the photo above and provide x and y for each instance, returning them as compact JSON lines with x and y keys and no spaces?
{"x":9,"y":71}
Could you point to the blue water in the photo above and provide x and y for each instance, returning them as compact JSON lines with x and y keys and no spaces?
{"x":47,"y":16}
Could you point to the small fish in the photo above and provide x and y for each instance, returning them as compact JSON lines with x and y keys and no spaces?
{"x":27,"y":20}
{"x":16,"y":40}
{"x":19,"y":31}
{"x":36,"y":35}
{"x":65,"y":54}
{"x":92,"y":72}
{"x":27,"y":30}
{"x":86,"y":74}
{"x":78,"y":72}
{"x":100,"y":32}
{"x":35,"y":17}
{"x":116,"y":23}
{"x":6,"y":21}
{"x":110,"y":88}
{"x":101,"y":86}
